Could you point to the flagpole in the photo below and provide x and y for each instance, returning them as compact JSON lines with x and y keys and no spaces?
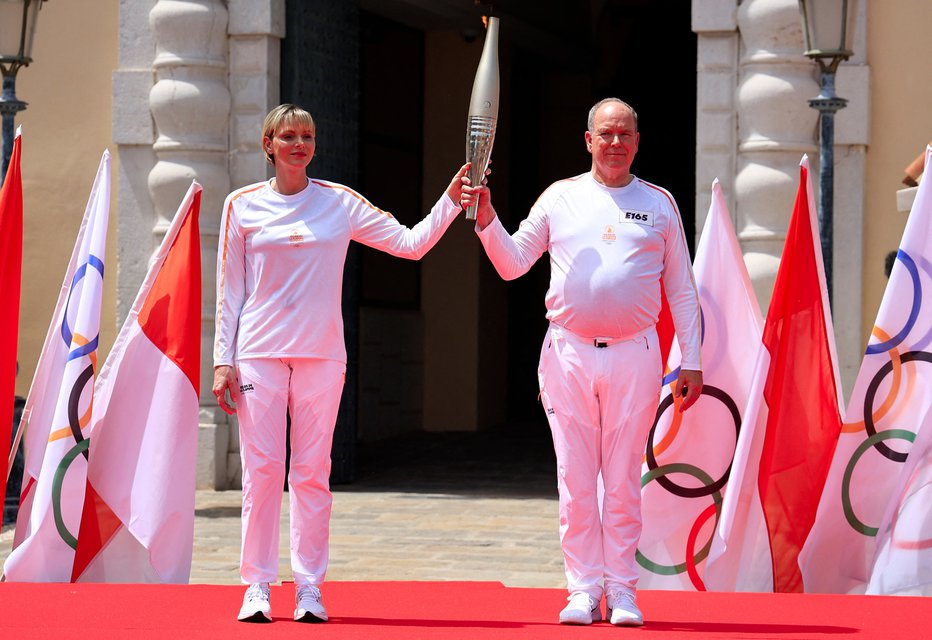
{"x":9,"y":107}
{"x":14,"y":448}
{"x":827,"y":103}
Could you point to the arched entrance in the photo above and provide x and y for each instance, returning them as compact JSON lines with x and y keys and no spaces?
{"x":445,"y":345}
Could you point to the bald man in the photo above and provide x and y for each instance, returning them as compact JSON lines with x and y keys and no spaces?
{"x":612,"y":239}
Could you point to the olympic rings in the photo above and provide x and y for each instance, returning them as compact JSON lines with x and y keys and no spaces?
{"x":656,"y":474}
{"x":57,"y":481}
{"x":872,"y":441}
{"x":75,"y":421}
{"x":854,"y":427}
{"x":66,"y":333}
{"x":910,"y":265}
{"x":691,"y":568}
{"x":710,"y":487}
{"x":896,"y":456}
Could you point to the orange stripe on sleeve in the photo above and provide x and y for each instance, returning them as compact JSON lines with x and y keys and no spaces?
{"x":226,"y":238}
{"x":358,"y":196}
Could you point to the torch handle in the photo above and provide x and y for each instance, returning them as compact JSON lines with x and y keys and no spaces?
{"x":480,"y":136}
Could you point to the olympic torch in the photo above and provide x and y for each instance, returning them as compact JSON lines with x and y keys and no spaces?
{"x":483,"y":111}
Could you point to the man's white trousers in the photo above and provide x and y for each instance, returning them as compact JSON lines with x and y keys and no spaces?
{"x":310,"y":390}
{"x":600,"y":402}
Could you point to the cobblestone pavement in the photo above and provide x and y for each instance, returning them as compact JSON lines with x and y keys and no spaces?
{"x":427,"y":507}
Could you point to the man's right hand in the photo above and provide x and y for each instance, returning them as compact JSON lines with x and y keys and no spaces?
{"x":225,"y":380}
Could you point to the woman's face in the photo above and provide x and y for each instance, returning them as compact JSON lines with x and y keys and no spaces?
{"x":292,"y":145}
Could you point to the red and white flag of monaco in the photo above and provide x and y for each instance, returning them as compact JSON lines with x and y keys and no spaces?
{"x":56,"y":418}
{"x":138,"y":520}
{"x":890,"y":406}
{"x":689,"y":455}
{"x":791,"y":424}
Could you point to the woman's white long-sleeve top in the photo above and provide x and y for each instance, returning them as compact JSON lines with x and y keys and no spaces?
{"x":280,"y":266}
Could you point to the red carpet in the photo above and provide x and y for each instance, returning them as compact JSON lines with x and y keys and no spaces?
{"x":447,"y":610}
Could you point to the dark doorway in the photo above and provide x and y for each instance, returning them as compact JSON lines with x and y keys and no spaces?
{"x":642,"y":52}
{"x":391,"y":98}
{"x":361,"y":66}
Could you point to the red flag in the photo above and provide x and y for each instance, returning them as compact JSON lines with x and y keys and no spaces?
{"x":801,"y":393}
{"x":11,"y":267}
{"x":790,"y":428}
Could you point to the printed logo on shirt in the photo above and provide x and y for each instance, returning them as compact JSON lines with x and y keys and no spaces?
{"x":645,"y":218}
{"x":246,"y":388}
{"x":609,"y":236}
{"x":296,"y":239}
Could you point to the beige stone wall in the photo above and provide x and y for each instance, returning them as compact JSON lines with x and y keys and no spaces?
{"x":66,"y":128}
{"x":901,"y":125}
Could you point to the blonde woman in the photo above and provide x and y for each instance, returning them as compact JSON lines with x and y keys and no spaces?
{"x":279,"y":344}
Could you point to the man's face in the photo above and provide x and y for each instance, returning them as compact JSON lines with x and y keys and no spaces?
{"x":613,"y":142}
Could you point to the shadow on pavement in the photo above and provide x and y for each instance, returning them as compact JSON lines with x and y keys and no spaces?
{"x":508,"y":461}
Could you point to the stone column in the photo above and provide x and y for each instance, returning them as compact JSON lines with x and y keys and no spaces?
{"x":754,"y":124}
{"x":190,"y":103}
{"x":715,"y":24}
{"x":133,"y":134}
{"x":256,"y":31}
{"x":775,"y":128}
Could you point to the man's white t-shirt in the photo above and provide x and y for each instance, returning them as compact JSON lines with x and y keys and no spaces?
{"x":609,"y":250}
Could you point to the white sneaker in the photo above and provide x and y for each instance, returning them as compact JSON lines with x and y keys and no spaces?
{"x":309,"y":607}
{"x":582,"y":609}
{"x":622,"y":610}
{"x":256,"y":606}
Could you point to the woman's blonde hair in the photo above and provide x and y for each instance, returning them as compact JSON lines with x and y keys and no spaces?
{"x":278,"y":116}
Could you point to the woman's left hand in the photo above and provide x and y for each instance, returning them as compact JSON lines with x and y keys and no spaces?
{"x":225,"y":381}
